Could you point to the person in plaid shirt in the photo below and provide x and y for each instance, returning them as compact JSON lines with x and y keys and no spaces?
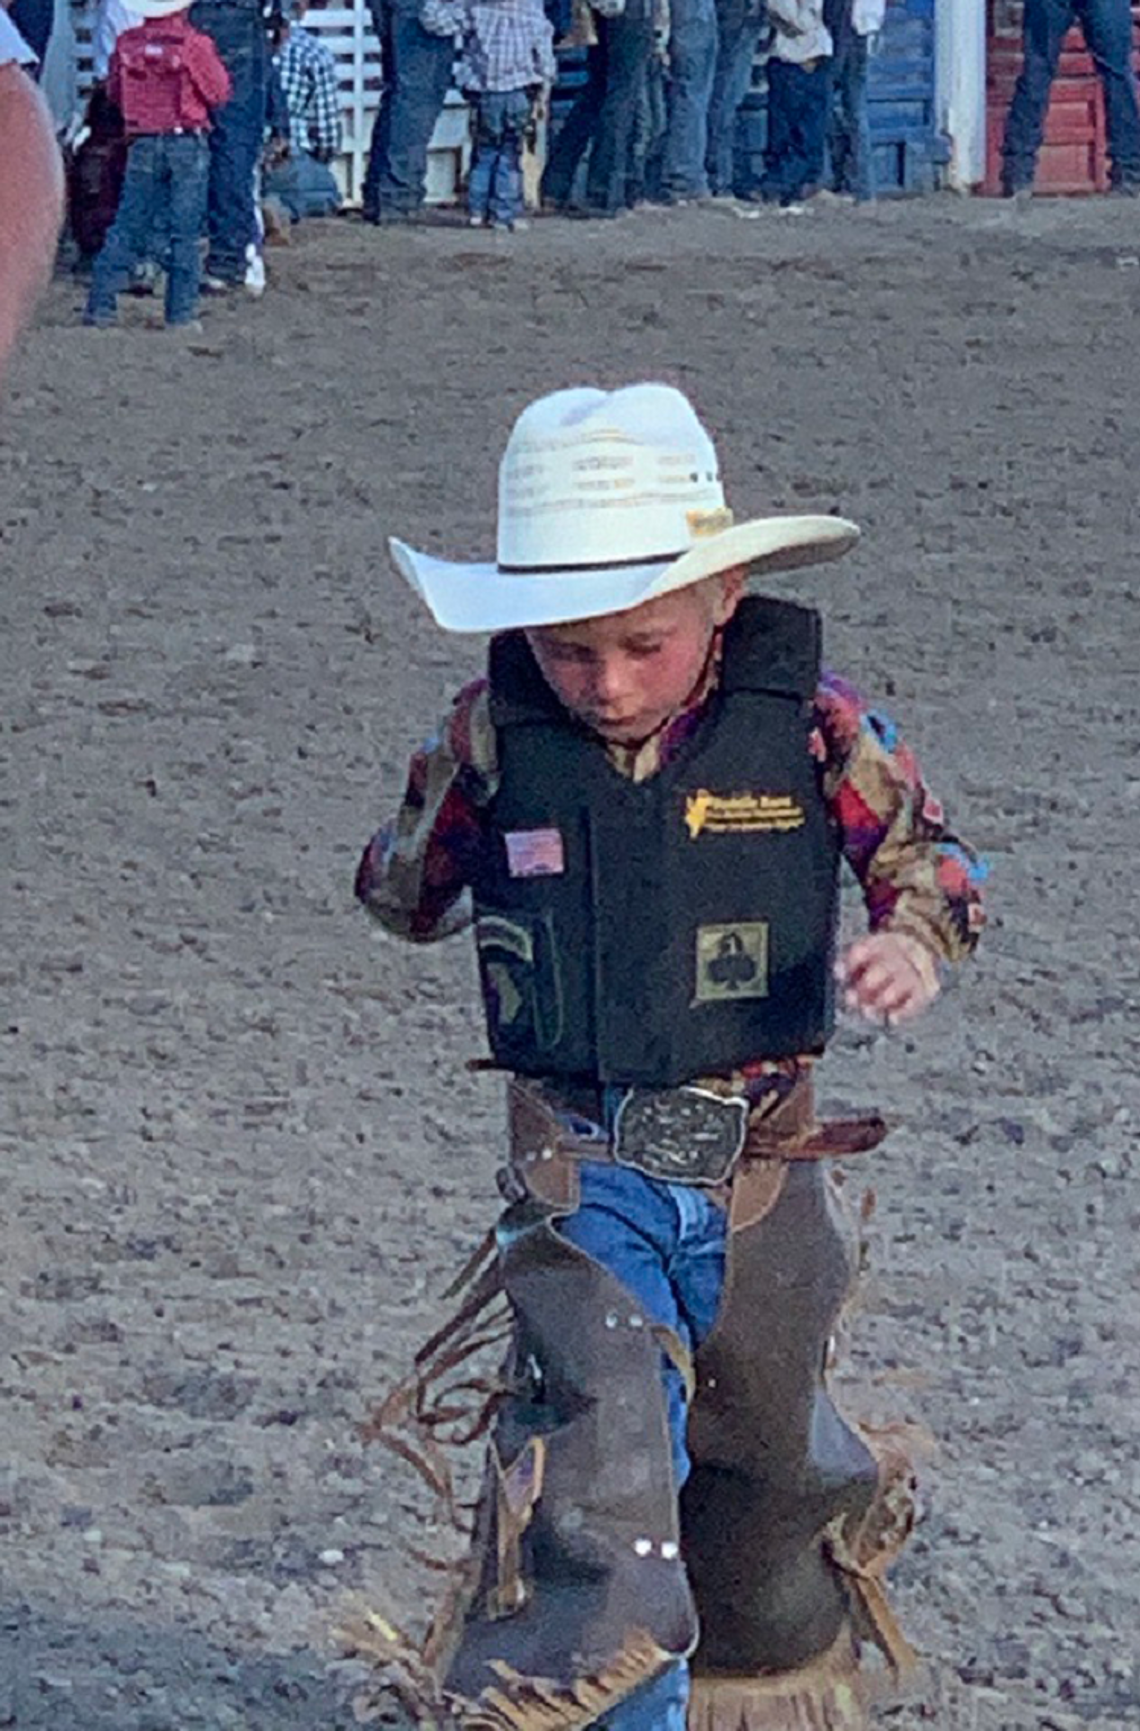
{"x":506,"y":57}
{"x":306,"y":68}
{"x":643,"y":810}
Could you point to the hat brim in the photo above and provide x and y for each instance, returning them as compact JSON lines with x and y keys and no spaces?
{"x":482,"y":597}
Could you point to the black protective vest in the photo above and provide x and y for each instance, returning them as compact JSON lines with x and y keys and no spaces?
{"x":646,"y":933}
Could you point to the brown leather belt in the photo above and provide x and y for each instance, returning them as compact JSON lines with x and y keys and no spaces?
{"x":686,"y":1135}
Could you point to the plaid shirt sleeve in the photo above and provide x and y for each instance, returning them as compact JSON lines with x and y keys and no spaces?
{"x":307,"y":71}
{"x":916,"y":876}
{"x":414,"y":873}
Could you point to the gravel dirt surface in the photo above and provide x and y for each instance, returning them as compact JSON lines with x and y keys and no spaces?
{"x":241,"y":1153}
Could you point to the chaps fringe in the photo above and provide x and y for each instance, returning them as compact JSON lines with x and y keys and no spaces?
{"x":517,"y":1703}
{"x":825,"y":1695}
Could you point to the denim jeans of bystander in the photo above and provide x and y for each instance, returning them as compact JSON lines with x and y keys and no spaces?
{"x":666,"y":1243}
{"x":647,"y":148}
{"x":237,"y":134}
{"x":575,"y":135}
{"x":417,"y":73}
{"x":305,"y":186}
{"x":849,"y":145}
{"x":164,"y":186}
{"x":692,"y":60}
{"x":798,"y":99}
{"x":739,"y":24}
{"x":494,"y":185}
{"x":1107,"y":27}
{"x":628,"y":50}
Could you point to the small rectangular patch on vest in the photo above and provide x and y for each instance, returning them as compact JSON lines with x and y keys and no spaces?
{"x":732,"y":962}
{"x":535,"y":853}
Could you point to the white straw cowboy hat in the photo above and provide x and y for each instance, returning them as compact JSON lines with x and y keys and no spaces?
{"x":608,"y":499}
{"x":158,"y":8}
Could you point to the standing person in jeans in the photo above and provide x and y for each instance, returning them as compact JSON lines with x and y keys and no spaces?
{"x":605,"y":117}
{"x":238,"y":33}
{"x":1107,"y":29}
{"x":799,"y":98}
{"x":692,"y":68}
{"x":166,"y":78}
{"x":853,"y":24}
{"x":740,"y":24}
{"x":416,"y":69}
{"x":506,"y":58}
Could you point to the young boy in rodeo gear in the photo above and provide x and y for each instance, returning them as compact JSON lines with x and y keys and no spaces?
{"x":644,"y":808}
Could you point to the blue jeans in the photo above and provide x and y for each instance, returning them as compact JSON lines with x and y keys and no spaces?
{"x":798,"y":99}
{"x":628,"y":47}
{"x":1107,"y":28}
{"x":849,"y":128}
{"x":494,"y":186}
{"x":164,"y":188}
{"x":692,"y":58}
{"x":651,"y":124}
{"x":305,"y":186}
{"x":417,"y":72}
{"x":666,"y":1243}
{"x":238,"y":133}
{"x":738,"y":23}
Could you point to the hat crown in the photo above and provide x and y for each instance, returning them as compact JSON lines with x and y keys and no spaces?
{"x":596,"y":478}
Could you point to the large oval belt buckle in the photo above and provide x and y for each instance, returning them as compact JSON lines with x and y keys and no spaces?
{"x":683,"y":1135}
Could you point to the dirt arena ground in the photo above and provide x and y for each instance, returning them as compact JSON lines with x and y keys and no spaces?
{"x":241,"y":1154}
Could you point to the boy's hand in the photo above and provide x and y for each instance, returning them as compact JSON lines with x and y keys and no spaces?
{"x":888,"y":977}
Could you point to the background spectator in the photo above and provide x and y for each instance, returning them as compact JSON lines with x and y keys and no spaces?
{"x":740,"y":25}
{"x":165,"y":78}
{"x":306,"y":69}
{"x":852,"y":24}
{"x":799,"y":91}
{"x":506,"y":58}
{"x":1107,"y":27}
{"x":604,"y":118}
{"x":692,"y":67}
{"x":237,"y":30}
{"x":416,"y":69}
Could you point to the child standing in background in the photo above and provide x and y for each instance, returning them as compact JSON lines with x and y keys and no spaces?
{"x":507,"y":56}
{"x":166,"y":78}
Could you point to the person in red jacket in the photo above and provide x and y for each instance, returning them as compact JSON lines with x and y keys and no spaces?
{"x":166,"y":77}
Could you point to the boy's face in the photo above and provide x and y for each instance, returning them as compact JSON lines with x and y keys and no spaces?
{"x":625,"y":674}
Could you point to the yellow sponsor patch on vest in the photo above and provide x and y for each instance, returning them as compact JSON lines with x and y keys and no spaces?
{"x":741,"y":813}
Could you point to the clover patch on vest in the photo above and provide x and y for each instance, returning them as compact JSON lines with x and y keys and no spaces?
{"x":732,"y":961}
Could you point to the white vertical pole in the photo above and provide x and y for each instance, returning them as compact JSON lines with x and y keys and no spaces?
{"x":960,"y":73}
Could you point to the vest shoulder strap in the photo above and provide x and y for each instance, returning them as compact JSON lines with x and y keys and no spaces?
{"x":770,"y":646}
{"x":774,"y":646}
